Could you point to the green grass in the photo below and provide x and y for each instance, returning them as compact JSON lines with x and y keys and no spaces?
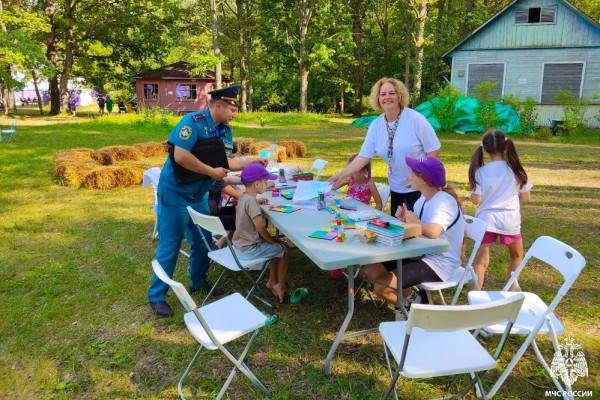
{"x":74,"y":269}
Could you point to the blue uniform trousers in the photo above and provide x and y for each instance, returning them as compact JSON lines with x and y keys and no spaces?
{"x":173,"y":223}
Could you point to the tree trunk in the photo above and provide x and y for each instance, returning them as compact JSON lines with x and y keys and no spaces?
{"x":67,"y":67}
{"x":37,"y":91}
{"x":359,"y":72}
{"x":217,"y":47}
{"x":342,"y":100}
{"x":419,"y":45}
{"x":241,"y":16}
{"x":52,"y":56}
{"x":436,"y":61}
{"x":304,"y":15}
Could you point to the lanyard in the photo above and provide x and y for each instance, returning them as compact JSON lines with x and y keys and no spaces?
{"x":391,"y":131}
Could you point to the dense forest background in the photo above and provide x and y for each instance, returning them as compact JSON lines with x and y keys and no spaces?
{"x":306,"y":55}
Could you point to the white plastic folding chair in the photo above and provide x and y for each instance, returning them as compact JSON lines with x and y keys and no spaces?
{"x":150,"y":179}
{"x":228,"y":259}
{"x":217,"y":324}
{"x":474,"y":230}
{"x":317,"y":166}
{"x":535,"y":317}
{"x":384,"y":193}
{"x":8,"y":135}
{"x":435,"y":341}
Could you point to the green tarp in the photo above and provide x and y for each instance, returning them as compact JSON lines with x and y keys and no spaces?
{"x":463,"y":118}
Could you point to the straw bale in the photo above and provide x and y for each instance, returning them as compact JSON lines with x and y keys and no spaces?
{"x":290,"y":148}
{"x":109,"y":177}
{"x":243,"y":145}
{"x":72,"y":165}
{"x":112,"y":154}
{"x":151,"y":149}
{"x":300,"y":148}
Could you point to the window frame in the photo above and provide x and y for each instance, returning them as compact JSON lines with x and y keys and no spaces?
{"x":468,"y":75}
{"x":180,"y":99}
{"x":553,"y":7}
{"x":561,"y":62}
{"x":157,"y":91}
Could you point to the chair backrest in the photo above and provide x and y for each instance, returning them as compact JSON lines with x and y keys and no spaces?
{"x":208,"y":222}
{"x":467,"y":317}
{"x":182,"y":294}
{"x":318,"y":166}
{"x":13,"y":124}
{"x":560,"y":256}
{"x":151,"y":177}
{"x":384,"y":193}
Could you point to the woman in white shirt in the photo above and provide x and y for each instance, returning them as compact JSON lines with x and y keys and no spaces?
{"x":439,"y":213}
{"x":497,"y":188}
{"x":399,"y":132}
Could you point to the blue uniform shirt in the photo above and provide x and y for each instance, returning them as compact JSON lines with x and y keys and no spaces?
{"x":192,"y":127}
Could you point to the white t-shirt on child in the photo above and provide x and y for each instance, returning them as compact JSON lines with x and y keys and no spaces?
{"x":499,"y":190}
{"x":442,"y":209}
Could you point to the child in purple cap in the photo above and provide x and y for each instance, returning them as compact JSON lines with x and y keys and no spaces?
{"x":438,"y":211}
{"x":251,"y":238}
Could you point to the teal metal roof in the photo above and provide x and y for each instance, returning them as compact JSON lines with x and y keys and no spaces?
{"x":571,"y":28}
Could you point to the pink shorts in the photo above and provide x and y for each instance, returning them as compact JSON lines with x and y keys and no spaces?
{"x":490,"y":237}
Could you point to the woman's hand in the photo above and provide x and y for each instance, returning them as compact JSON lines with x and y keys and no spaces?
{"x":405,"y":215}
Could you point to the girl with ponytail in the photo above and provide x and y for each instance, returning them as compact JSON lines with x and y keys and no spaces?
{"x":497,"y":188}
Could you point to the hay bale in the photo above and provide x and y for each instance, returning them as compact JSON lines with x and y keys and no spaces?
{"x":109,"y":177}
{"x":300,"y":148}
{"x":112,"y":154}
{"x":151,"y":149}
{"x":290,"y":148}
{"x":243,"y":145}
{"x":72,"y":166}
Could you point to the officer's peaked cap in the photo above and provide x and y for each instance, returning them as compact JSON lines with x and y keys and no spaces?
{"x":228,"y":94}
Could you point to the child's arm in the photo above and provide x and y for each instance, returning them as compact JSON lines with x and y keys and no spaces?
{"x":475,"y":198}
{"x":261,"y":229}
{"x":375,"y":194}
{"x":524,"y":197}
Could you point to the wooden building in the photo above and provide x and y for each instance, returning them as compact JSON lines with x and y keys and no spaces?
{"x":173,"y":87}
{"x":533,"y":48}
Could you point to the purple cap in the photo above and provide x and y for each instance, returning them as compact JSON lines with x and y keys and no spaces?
{"x":255,"y":172}
{"x":429,"y":167}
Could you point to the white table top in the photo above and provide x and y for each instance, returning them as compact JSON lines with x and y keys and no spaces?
{"x":329,"y":254}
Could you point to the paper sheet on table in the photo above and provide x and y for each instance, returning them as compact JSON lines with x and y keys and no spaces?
{"x":308,"y":204}
{"x":307,"y":190}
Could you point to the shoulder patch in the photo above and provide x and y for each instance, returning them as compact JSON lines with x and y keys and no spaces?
{"x":198,"y":117}
{"x":185,"y":132}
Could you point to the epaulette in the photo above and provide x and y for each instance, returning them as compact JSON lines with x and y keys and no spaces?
{"x":198,"y":117}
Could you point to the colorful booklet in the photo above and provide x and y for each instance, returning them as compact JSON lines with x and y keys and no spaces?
{"x":285,"y":209}
{"x":325,"y":233}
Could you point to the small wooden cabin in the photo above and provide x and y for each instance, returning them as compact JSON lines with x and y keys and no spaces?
{"x":533,"y":48}
{"x":173,"y":87}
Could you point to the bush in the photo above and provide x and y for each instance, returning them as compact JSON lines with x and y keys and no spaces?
{"x":543,"y":133}
{"x":574,"y":109}
{"x":486,"y":114}
{"x":526,"y":111}
{"x":445,"y":110}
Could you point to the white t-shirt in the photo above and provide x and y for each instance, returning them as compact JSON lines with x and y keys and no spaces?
{"x":414,"y":137}
{"x":499,"y":191}
{"x":443,"y":210}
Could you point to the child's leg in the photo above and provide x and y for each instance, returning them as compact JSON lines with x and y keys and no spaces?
{"x":515,"y":250}
{"x":272,"y":274}
{"x":480,"y":265}
{"x":281,"y":267}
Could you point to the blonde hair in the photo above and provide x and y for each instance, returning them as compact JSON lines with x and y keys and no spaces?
{"x":401,"y":92}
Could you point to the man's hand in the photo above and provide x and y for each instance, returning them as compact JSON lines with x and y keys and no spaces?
{"x":337,"y":180}
{"x":219,"y":173}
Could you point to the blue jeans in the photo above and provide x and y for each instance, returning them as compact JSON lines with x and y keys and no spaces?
{"x":174,"y":223}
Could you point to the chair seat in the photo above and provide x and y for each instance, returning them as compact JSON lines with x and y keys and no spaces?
{"x":533,"y":307}
{"x":432,"y":354}
{"x":433,"y":286}
{"x":225,"y":258}
{"x":229,"y":318}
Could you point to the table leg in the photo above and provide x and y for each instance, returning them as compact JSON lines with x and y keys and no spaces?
{"x":401,"y":314}
{"x":342,"y":332}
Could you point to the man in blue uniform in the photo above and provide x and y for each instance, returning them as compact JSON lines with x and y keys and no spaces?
{"x":174,"y":195}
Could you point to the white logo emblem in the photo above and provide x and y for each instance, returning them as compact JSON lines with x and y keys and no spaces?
{"x":569,"y":362}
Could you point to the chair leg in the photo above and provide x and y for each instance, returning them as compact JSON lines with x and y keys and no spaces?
{"x":155,"y":230}
{"x":246,"y":371}
{"x":392,"y":386}
{"x":234,"y":369}
{"x":213,"y":288}
{"x":442,"y":297}
{"x":387,"y":361}
{"x":186,"y":372}
{"x":540,"y":358}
